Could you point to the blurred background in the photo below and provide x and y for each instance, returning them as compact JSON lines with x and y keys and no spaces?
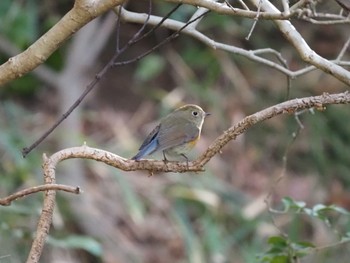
{"x":215,"y":216}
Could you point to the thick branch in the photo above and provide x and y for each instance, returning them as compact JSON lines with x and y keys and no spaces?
{"x":82,"y":13}
{"x":44,"y":73}
{"x":223,"y":8}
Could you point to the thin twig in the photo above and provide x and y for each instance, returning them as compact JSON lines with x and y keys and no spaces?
{"x":267,"y":200}
{"x":161,"y":22}
{"x":285,"y":4}
{"x":166,"y":40}
{"x":282,"y":61}
{"x":117,"y":34}
{"x":137,"y":37}
{"x":327,"y":22}
{"x":343,"y":50}
{"x":255,"y":21}
{"x":40,"y":188}
{"x":299,"y":5}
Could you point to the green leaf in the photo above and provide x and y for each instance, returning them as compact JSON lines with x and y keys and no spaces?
{"x":337,"y":209}
{"x":302,"y":248}
{"x":277,"y":240}
{"x":292,"y":205}
{"x":78,"y":242}
{"x":304,"y":244}
{"x":280,"y":259}
{"x":346,"y":237}
{"x":278,"y":245}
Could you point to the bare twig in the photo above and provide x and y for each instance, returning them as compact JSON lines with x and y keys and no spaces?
{"x":117,"y":38}
{"x":267,"y":200}
{"x":40,"y":188}
{"x":283,"y":62}
{"x":163,"y":42}
{"x":299,"y":4}
{"x":343,"y":50}
{"x":255,"y":21}
{"x":285,"y":4}
{"x":242,"y":4}
{"x":161,"y":22}
{"x":327,"y":22}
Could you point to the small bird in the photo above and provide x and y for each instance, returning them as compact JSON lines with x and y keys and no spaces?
{"x":176,"y":134}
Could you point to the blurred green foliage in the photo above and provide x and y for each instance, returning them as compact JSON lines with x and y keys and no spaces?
{"x":16,"y":173}
{"x":22,"y":22}
{"x":19,"y":21}
{"x":284,"y":249}
{"x":149,"y":67}
{"x":77,"y":242}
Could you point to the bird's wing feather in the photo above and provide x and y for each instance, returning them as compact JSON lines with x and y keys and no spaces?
{"x":153,"y":134}
{"x":149,"y":146}
{"x":173,"y":135}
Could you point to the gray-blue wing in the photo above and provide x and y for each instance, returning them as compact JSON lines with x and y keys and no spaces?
{"x":149,"y":145}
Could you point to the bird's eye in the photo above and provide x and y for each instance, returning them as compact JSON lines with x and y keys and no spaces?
{"x":194,"y":113}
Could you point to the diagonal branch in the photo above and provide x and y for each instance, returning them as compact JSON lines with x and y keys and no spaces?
{"x":43,"y":72}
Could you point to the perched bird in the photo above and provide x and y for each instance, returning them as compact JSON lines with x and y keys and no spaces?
{"x":176,"y":134}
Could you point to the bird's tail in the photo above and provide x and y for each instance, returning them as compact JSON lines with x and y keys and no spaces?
{"x":146,"y":150}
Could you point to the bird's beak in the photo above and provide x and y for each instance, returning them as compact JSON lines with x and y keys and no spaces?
{"x":207,"y":114}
